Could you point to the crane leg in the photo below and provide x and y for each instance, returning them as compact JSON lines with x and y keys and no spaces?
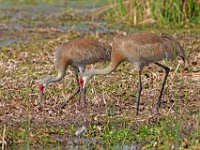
{"x":74,"y":94}
{"x":167,"y":70}
{"x":77,"y":89}
{"x":76,"y":69}
{"x":139,"y":92}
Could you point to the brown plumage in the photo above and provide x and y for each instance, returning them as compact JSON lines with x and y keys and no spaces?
{"x":141,"y":49}
{"x":77,"y":53}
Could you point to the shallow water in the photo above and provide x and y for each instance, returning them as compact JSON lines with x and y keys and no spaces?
{"x":61,"y":15}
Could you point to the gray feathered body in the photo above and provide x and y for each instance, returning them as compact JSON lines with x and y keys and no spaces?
{"x":81,"y":52}
{"x":145,"y":48}
{"x":140,"y":49}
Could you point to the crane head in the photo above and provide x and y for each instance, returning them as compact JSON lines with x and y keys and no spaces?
{"x":43,"y":83}
{"x":41,"y":88}
{"x":81,"y":82}
{"x":41,"y":94}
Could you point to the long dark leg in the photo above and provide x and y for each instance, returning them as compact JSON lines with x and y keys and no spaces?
{"x":139,"y":92}
{"x":167,"y":70}
{"x":75,"y":93}
{"x":78,"y":86}
{"x":77,"y":89}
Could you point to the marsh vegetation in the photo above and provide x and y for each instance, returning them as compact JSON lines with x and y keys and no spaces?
{"x":30,"y":32}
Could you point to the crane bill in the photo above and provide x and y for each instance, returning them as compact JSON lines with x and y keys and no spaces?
{"x":40,"y":98}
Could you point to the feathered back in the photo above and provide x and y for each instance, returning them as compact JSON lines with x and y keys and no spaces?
{"x":83,"y":51}
{"x":148,"y":47}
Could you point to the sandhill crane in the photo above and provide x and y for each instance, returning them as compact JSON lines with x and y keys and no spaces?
{"x":140,"y":49}
{"x":77,"y":53}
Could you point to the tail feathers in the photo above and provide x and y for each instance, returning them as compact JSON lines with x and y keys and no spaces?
{"x":177,"y":46}
{"x":185,"y":60}
{"x":182,"y":55}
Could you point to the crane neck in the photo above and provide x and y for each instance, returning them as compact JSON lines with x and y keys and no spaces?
{"x":50,"y":79}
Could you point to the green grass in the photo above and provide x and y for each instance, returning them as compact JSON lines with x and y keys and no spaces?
{"x":109,"y":115}
{"x":136,"y":12}
{"x":165,"y":134}
{"x":113,"y":124}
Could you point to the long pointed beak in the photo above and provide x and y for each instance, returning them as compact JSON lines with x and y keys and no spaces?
{"x":40,"y":98}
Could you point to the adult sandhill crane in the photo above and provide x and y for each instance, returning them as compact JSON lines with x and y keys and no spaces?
{"x":76,"y":53}
{"x":140,"y":49}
